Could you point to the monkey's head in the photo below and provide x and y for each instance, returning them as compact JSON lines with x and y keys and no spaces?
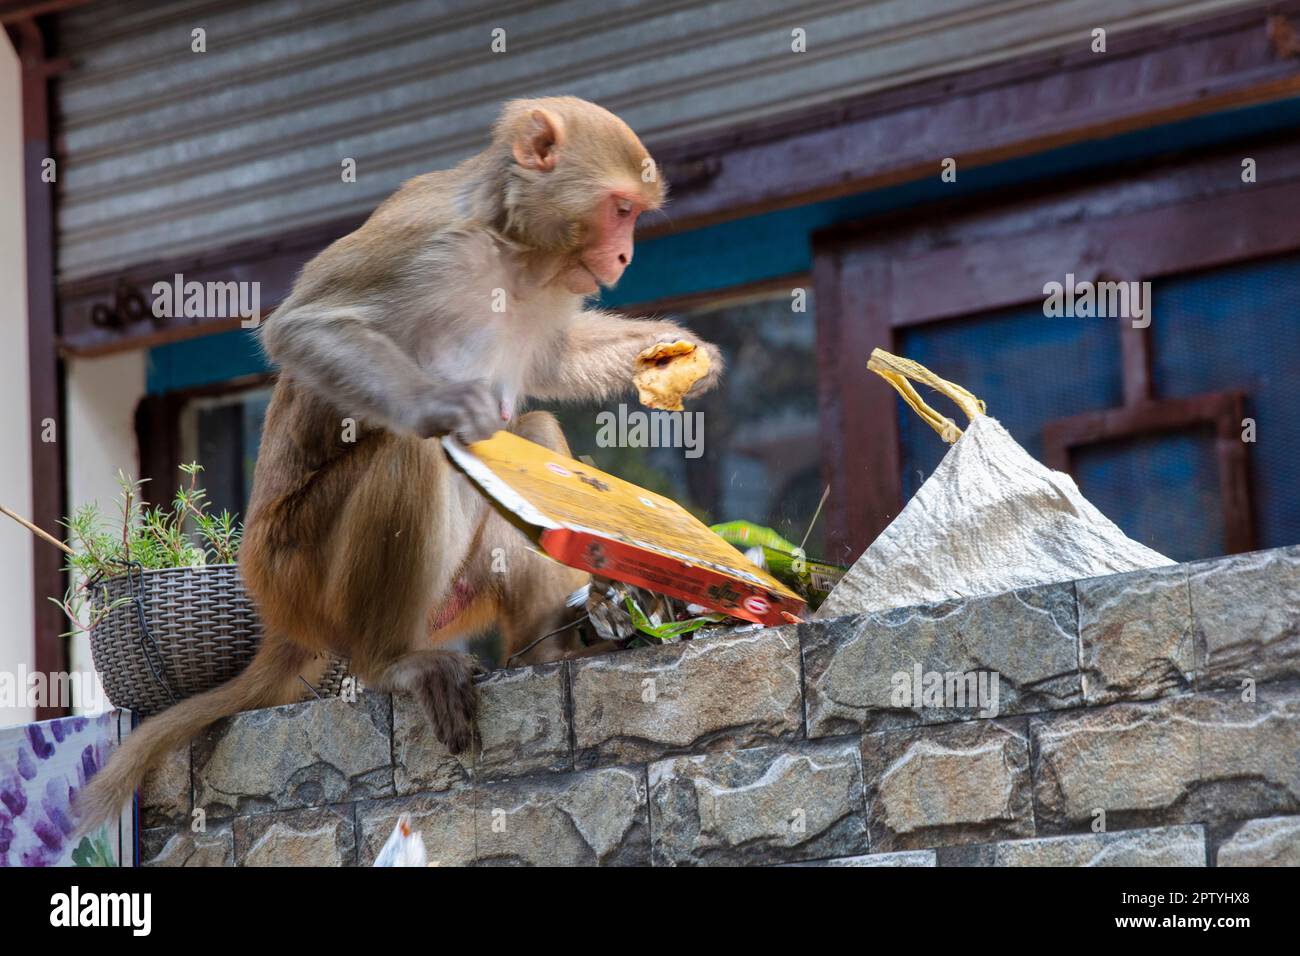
{"x":576,"y":181}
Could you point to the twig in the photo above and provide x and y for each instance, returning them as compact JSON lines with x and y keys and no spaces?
{"x":816,"y":514}
{"x":559,"y":630}
{"x":309,"y":687}
{"x":38,"y":532}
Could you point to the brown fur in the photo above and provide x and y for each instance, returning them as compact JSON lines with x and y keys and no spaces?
{"x":354,"y":546}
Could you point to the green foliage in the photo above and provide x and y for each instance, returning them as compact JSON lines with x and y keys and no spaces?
{"x":184,"y":535}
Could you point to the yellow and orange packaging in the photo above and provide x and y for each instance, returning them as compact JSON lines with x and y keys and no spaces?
{"x":598,"y":523}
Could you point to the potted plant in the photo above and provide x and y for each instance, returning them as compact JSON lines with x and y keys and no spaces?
{"x":159,"y":593}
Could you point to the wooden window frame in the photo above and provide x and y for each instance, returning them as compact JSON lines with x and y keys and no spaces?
{"x":158,"y":431}
{"x":1222,"y":411}
{"x":875,"y":277}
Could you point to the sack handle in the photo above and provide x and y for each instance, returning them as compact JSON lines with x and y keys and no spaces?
{"x":896,"y":370}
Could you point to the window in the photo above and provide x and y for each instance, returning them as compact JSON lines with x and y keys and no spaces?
{"x":222,"y":433}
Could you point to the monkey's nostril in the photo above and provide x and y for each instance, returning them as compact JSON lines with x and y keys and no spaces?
{"x":622,"y":258}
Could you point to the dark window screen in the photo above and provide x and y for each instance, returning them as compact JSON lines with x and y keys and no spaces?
{"x":1162,"y":490}
{"x":1232,"y":328}
{"x":1238,"y":328}
{"x":222,"y":435}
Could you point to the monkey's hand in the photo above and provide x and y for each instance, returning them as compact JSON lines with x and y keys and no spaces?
{"x":469,"y":411}
{"x":598,"y":357}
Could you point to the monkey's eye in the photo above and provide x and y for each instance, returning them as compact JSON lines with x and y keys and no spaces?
{"x":624,"y":207}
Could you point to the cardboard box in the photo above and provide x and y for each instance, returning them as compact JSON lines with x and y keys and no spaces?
{"x":596,"y":522}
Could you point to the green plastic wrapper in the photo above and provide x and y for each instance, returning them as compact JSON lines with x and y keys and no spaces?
{"x":782,"y":559}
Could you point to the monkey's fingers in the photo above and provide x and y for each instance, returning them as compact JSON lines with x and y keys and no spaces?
{"x":667,"y":371}
{"x":479,"y":415}
{"x":714,"y":373}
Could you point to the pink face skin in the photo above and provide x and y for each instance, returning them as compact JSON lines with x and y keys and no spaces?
{"x":609,"y":251}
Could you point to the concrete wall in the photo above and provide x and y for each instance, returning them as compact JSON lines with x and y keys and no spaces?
{"x":16,"y":626}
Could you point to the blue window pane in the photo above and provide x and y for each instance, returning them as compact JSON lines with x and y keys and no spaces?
{"x":1162,"y":490}
{"x":1238,"y":328}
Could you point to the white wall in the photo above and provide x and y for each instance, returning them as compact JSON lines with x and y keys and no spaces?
{"x":17,"y":641}
{"x":99,"y":441}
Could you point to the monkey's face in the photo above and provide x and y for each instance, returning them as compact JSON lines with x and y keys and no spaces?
{"x":607,"y":248}
{"x":579,"y":181}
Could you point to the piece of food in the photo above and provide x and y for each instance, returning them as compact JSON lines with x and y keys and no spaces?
{"x":665,"y":372}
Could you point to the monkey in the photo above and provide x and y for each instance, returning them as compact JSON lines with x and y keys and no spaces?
{"x":458,"y":301}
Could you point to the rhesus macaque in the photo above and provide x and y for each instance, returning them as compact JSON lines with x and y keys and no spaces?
{"x":458,"y":300}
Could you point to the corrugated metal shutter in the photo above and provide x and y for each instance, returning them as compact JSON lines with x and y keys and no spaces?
{"x":168,"y":152}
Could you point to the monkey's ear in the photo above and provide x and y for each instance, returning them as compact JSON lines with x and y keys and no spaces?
{"x":538,"y":141}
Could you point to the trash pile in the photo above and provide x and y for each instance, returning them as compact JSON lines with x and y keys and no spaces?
{"x":810,"y":579}
{"x":635,"y":617}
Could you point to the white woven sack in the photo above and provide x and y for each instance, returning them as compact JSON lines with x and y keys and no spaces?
{"x":989,"y":519}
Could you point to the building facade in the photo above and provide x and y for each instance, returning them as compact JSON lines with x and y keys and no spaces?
{"x":911,"y":175}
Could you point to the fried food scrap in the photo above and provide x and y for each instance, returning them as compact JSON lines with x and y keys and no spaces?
{"x":666,"y":372}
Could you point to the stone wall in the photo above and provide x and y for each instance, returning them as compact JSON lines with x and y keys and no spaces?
{"x":1145,"y":718}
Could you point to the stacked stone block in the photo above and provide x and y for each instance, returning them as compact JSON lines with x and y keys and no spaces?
{"x":1150,"y":718}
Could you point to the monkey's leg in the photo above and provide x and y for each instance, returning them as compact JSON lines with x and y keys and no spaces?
{"x":414,"y":525}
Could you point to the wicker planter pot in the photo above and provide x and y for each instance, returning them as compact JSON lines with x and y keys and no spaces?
{"x":185,"y":630}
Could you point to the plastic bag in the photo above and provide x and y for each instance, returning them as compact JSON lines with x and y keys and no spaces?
{"x":405,"y":847}
{"x":989,"y":519}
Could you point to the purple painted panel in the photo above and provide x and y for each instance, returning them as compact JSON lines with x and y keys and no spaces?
{"x":42,"y":765}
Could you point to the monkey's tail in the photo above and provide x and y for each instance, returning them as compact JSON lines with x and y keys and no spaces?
{"x":271,"y":678}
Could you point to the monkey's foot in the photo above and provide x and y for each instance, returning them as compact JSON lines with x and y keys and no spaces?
{"x":449,"y":696}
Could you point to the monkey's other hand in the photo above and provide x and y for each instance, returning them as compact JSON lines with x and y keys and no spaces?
{"x":468,"y":411}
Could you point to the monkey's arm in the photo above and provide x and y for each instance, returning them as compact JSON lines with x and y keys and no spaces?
{"x":597,"y":357}
{"x":362,"y":372}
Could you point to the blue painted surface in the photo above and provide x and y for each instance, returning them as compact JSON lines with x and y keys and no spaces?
{"x":776,"y":244}
{"x":203,"y":361}
{"x":1238,"y":328}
